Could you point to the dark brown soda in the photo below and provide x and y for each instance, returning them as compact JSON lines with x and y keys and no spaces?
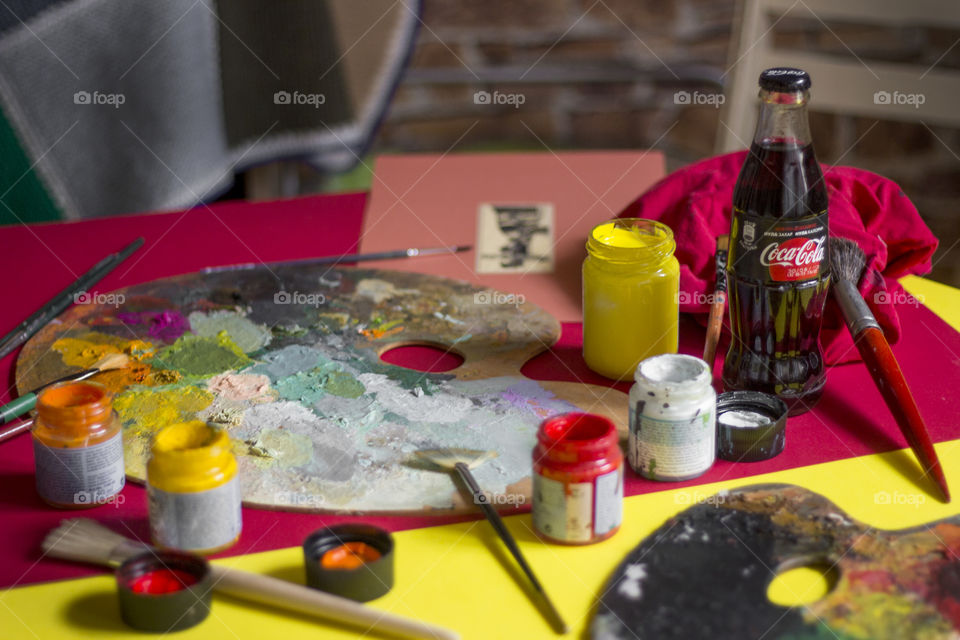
{"x":775,"y":326}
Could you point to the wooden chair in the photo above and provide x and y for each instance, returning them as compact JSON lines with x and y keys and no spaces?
{"x":845,"y":85}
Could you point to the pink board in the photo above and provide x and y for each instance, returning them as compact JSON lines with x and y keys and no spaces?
{"x":432,"y":200}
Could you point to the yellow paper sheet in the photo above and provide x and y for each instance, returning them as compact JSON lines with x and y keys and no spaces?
{"x":943,"y":300}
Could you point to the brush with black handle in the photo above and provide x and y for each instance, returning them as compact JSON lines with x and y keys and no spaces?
{"x":848,"y":261}
{"x":461,"y":461}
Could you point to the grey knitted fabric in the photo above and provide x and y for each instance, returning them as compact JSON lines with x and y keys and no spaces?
{"x":136,"y":105}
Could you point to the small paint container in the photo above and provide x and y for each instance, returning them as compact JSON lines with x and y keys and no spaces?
{"x":164,"y":591}
{"x":77,"y":445}
{"x":577,"y":479}
{"x":350,"y":560}
{"x":631,"y":282}
{"x":193,"y":490}
{"x":672,"y":418}
{"x":751,"y":426}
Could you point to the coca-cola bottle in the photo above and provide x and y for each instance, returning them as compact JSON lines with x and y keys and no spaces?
{"x":778,"y":269}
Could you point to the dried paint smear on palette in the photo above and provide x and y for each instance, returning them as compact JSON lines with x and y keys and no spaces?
{"x":317,"y":419}
{"x":705,"y":573}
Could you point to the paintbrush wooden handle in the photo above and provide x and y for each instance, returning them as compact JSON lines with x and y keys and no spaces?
{"x":295,"y":597}
{"x":883,"y":366}
{"x":715,"y":321}
{"x":714,"y":326}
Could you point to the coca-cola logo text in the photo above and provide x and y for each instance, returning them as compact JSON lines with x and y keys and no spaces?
{"x":795,"y":259}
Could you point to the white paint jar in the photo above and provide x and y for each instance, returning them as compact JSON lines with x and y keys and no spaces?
{"x":673,"y":408}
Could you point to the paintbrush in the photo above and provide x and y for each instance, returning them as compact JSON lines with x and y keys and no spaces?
{"x":83,"y":540}
{"x":715,"y":322}
{"x":461,"y":461}
{"x":363,"y":257}
{"x":848,"y":261}
{"x":28,"y":401}
{"x":23,"y":331}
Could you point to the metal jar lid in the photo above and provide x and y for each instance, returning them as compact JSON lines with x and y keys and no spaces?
{"x":751,"y":426}
{"x":186,"y":602}
{"x":369,"y":580}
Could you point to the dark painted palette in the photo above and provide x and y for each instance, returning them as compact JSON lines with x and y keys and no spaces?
{"x":705,"y":574}
{"x":287,"y":359}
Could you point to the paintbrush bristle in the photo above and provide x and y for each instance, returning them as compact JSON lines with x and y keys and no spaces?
{"x":846,"y":259}
{"x":112,"y":361}
{"x":448,"y":458}
{"x":84,"y":540}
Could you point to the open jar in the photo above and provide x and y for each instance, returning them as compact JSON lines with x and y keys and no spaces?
{"x":631,"y":286}
{"x":673,"y":418}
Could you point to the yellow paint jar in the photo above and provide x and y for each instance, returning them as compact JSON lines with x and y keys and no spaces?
{"x":631,"y":286}
{"x":193,"y":490}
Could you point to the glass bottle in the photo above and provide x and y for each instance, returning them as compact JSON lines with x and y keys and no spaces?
{"x":778,"y":269}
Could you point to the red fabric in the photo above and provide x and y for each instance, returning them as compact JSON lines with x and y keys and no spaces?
{"x":696,"y":203}
{"x":850,"y":420}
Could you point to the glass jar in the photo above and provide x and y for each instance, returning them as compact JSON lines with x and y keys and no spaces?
{"x":77,"y":445}
{"x":673,"y":409}
{"x":577,"y":479}
{"x":631,"y":286}
{"x":193,"y":491}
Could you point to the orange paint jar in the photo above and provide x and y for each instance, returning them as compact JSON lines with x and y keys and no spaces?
{"x":77,"y":445}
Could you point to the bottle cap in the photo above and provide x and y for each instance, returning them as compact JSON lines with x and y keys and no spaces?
{"x":784,"y":79}
{"x":751,"y":426}
{"x":350,"y":560}
{"x":164,"y":590}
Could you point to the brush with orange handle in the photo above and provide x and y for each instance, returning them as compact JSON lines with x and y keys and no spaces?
{"x":848,"y":261}
{"x":715,"y":322}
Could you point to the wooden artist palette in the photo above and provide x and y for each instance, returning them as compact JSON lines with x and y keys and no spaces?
{"x":705,"y":573}
{"x":287,"y":359}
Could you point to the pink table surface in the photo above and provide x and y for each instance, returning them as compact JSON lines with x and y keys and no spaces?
{"x":39,"y":260}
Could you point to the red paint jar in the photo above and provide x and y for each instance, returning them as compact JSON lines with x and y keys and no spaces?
{"x":577,"y":479}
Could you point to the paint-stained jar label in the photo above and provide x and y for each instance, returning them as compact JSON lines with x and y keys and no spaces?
{"x":608,"y":511}
{"x":81,"y":475}
{"x":662,"y":449}
{"x":199,"y":521}
{"x":563,"y":511}
{"x":578,"y":511}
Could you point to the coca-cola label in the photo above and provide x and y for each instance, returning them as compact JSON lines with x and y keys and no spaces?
{"x":774,"y":250}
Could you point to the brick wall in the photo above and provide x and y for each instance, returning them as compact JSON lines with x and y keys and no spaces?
{"x":604,"y":74}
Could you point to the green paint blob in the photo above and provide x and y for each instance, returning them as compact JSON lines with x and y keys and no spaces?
{"x":291,"y":331}
{"x":340,"y":383}
{"x":245,"y":333}
{"x":201,"y":357}
{"x":310,"y":386}
{"x":306,"y":386}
